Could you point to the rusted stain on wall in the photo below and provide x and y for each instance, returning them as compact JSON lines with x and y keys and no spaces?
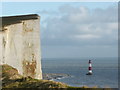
{"x":29,"y":68}
{"x":4,"y":42}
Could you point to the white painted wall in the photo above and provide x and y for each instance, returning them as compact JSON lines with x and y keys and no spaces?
{"x":22,"y":44}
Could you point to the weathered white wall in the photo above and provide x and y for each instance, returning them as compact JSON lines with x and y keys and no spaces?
{"x":21,"y":47}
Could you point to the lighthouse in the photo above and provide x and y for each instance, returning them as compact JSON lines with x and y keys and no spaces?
{"x":89,"y":68}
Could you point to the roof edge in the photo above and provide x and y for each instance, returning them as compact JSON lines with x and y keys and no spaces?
{"x":20,"y":15}
{"x":8,"y":20}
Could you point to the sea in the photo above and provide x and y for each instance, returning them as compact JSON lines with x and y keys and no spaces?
{"x":105,"y":71}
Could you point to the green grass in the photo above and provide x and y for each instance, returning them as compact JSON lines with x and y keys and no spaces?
{"x":33,"y":83}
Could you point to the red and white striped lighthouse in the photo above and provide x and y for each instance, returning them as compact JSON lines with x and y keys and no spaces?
{"x":89,"y":68}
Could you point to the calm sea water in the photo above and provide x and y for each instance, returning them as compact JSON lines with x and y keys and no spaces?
{"x":105,"y":71}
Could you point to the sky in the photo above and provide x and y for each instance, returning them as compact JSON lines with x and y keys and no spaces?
{"x":73,"y":29}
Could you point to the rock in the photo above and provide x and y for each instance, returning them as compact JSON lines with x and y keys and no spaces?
{"x":11,"y":79}
{"x":9,"y":72}
{"x":51,"y":76}
{"x":89,"y":74}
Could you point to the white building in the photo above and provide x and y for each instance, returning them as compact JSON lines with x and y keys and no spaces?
{"x":20,"y":44}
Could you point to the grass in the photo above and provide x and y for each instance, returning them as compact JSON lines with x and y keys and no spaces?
{"x":28,"y":82}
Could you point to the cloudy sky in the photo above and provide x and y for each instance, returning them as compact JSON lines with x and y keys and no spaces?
{"x":73,"y":30}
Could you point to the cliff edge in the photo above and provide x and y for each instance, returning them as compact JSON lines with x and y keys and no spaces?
{"x":12,"y":79}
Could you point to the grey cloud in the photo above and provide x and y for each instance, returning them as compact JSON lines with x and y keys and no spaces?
{"x":106,"y":15}
{"x":80,"y":26}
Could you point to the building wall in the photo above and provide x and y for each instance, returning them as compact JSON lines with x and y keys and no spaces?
{"x":21,"y":47}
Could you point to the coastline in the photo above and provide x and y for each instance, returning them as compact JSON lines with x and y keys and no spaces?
{"x":54,"y":76}
{"x":11,"y":79}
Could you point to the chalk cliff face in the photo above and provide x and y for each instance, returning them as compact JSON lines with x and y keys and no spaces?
{"x":20,"y":44}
